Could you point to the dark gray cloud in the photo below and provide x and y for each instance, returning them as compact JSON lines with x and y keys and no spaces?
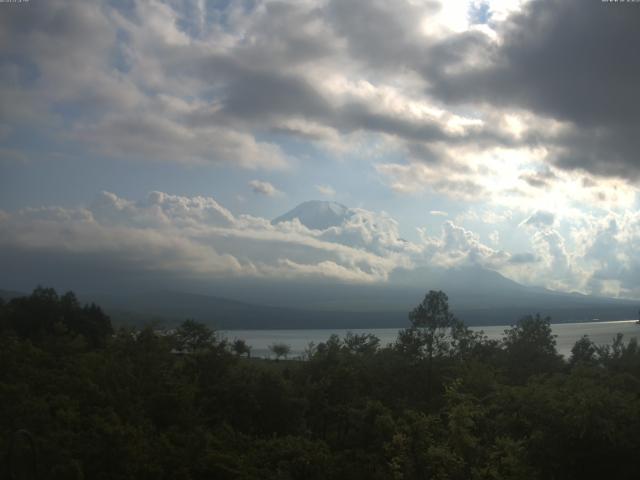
{"x":289,"y":34}
{"x":570,"y":60}
{"x":256,"y":95}
{"x":523,"y":258}
{"x":539,"y":179}
{"x":381,"y":34}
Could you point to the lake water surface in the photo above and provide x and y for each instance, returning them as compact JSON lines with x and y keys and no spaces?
{"x":601,"y":333}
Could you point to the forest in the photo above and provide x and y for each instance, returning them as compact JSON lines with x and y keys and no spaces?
{"x":82,"y":400}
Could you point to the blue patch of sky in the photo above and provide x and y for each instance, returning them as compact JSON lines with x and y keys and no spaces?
{"x":17,"y":70}
{"x":69,"y":180}
{"x":127,"y":8}
{"x":65,"y":174}
{"x":357,"y":184}
{"x":118,"y":56}
{"x":195,"y":16}
{"x":479,"y":13}
{"x":69,"y":112}
{"x":188,"y":20}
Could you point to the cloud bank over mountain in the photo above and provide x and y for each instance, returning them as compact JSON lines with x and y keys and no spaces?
{"x":196,"y":238}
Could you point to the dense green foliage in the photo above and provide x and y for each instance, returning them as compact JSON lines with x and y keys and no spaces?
{"x":440,"y":403}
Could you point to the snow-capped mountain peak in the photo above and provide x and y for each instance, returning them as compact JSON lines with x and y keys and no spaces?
{"x":317,"y":214}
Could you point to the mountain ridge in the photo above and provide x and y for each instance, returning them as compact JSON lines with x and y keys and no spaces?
{"x":167,"y":307}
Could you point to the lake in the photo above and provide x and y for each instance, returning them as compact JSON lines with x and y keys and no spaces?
{"x":601,"y":333}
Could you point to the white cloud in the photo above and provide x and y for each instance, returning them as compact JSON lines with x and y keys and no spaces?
{"x":610,"y":247}
{"x":540,"y":219}
{"x":264,"y":188}
{"x":438,"y":213}
{"x":326,"y":190}
{"x":154,"y":137}
{"x":196,"y":237}
{"x":550,"y":247}
{"x":459,"y":246}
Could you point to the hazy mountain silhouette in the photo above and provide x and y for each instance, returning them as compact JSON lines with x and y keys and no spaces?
{"x":490,"y":299}
{"x":169,"y":308}
{"x":477,"y":296}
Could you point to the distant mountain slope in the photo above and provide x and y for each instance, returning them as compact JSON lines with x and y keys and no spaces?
{"x":478,"y":296}
{"x":467,"y":287}
{"x":475,"y":287}
{"x":172,"y":307}
{"x":491,"y":300}
{"x":317,"y":214}
{"x":223,"y":313}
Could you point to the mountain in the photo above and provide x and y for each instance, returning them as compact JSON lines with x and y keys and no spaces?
{"x":468,"y":278}
{"x":169,"y":308}
{"x":477,"y":296}
{"x":317,"y":214}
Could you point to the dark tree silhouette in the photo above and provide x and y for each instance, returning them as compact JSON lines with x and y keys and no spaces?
{"x":584,"y":352}
{"x":353,"y":409}
{"x":240,"y":347}
{"x":530,"y":347}
{"x":280,"y":350}
{"x":434,"y":330}
{"x":364,"y":344}
{"x":44,"y":313}
{"x":192,"y":337}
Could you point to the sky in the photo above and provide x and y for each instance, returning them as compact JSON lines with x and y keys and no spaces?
{"x":164,"y":136}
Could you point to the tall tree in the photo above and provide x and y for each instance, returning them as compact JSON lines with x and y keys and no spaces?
{"x":192,"y":336}
{"x":530,"y":348}
{"x":434,"y":330}
{"x":280,"y":350}
{"x":240,"y":347}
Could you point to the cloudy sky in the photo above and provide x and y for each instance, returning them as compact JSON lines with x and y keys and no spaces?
{"x":163,"y":136}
